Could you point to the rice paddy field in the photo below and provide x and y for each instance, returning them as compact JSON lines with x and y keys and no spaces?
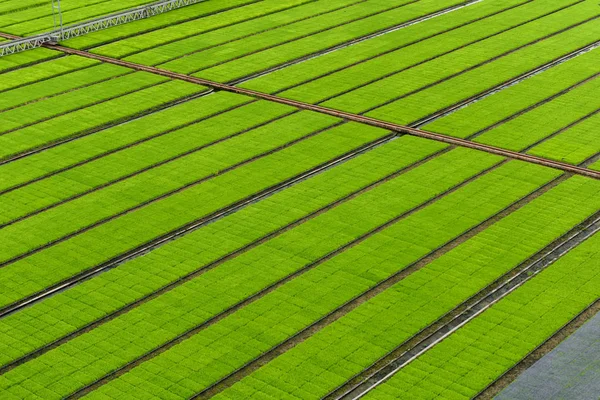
{"x":297,"y":199}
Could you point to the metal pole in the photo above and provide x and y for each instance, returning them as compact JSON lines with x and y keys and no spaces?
{"x":57,"y":13}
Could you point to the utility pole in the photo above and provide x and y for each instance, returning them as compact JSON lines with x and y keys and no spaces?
{"x":58,"y":22}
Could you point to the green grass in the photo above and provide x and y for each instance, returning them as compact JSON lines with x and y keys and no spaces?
{"x":282,"y":26}
{"x":73,"y":101}
{"x":201,"y":247}
{"x":237,"y":339}
{"x":470,"y":359}
{"x":39,"y":19}
{"x":111,"y":239}
{"x":180,"y":16}
{"x":470,"y":82}
{"x":344,"y":348}
{"x":138,"y":43}
{"x":59,"y":84}
{"x":275,"y":47}
{"x":94,"y":117}
{"x":233,"y":281}
{"x":574,"y":145}
{"x":144,"y":188}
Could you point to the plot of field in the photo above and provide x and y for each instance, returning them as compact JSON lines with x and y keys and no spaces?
{"x":166,"y":237}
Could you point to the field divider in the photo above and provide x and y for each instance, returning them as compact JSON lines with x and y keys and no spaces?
{"x":153,"y":244}
{"x":272,"y":287}
{"x":501,"y":288}
{"x":359,"y":118}
{"x":491,"y":390}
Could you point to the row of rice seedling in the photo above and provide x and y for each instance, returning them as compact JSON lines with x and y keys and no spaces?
{"x":533,"y":126}
{"x":39,"y":19}
{"x":496,"y":108}
{"x":481,"y":79}
{"x":260,"y":61}
{"x":105,"y":141}
{"x":132,"y":229}
{"x":203,"y":247}
{"x":143,"y":188}
{"x":574,"y":145}
{"x":243,"y":9}
{"x":94,"y":117}
{"x":170,"y":34}
{"x":136,"y":126}
{"x":290,"y":17}
{"x":270,"y":58}
{"x":16,"y":251}
{"x":206,"y":245}
{"x":23,"y":166}
{"x":27,"y":75}
{"x":469,"y":69}
{"x":436,"y":28}
{"x":301,"y":38}
{"x":149,"y":325}
{"x":475,"y":355}
{"x":30,"y":114}
{"x":339,"y":351}
{"x":212,"y":138}
{"x":232,"y":342}
{"x":56,"y":85}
